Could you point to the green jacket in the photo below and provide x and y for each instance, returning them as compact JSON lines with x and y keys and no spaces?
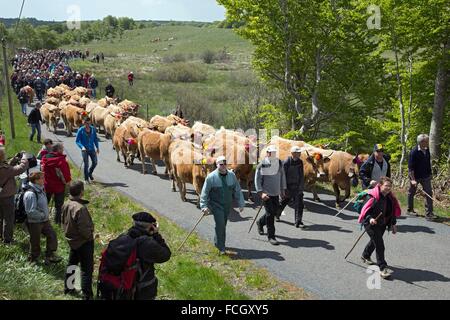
{"x":218,"y":199}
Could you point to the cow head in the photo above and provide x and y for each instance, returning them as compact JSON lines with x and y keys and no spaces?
{"x":318,"y":160}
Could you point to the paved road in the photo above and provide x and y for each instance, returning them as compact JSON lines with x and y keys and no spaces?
{"x":313,"y":258}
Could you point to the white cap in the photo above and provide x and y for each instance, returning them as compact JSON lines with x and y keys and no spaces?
{"x":221,"y":159}
{"x":296,"y":149}
{"x":271,"y":149}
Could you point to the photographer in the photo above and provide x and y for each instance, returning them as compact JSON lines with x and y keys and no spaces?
{"x":8,"y":188}
{"x":150,"y":248}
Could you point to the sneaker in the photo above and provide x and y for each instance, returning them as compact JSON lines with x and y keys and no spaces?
{"x":91,"y":177}
{"x":277,"y":218}
{"x":367,"y":261}
{"x":260,"y":228}
{"x":412,"y":213}
{"x":299,"y":225}
{"x":274,"y":242}
{"x":52,"y":259}
{"x":386,"y":273}
{"x":222,"y":252}
{"x":430,"y":217}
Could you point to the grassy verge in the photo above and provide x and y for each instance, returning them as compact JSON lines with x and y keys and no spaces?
{"x":197,"y":273}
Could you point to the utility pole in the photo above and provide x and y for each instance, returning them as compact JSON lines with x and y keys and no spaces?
{"x":7,"y":84}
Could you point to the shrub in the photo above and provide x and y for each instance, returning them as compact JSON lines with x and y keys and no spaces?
{"x":208,"y":57}
{"x":178,"y":57}
{"x":181,"y":72}
{"x":197,"y":107}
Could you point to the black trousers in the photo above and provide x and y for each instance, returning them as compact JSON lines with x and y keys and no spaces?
{"x":59,"y":201}
{"x":84,"y":256}
{"x":271,"y":207}
{"x":297,"y":197}
{"x":376,"y":243}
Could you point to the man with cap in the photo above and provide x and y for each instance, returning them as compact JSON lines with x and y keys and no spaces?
{"x":150,"y":249}
{"x":87,"y":141}
{"x":270,"y":182}
{"x":375,"y":167}
{"x":295,"y":180}
{"x":220,"y":188}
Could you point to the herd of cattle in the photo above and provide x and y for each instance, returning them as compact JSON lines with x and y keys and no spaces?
{"x":189,"y":152}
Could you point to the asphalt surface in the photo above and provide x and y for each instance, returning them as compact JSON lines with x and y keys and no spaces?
{"x":313,"y":258}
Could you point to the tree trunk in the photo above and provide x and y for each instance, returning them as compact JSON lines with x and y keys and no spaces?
{"x":440,"y":100}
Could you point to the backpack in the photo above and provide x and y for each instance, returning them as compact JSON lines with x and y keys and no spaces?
{"x":118,"y":269}
{"x":361,"y":201}
{"x":20,"y":215}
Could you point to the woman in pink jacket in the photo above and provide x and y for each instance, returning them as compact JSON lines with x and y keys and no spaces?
{"x":378,"y":214}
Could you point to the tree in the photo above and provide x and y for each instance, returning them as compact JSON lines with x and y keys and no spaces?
{"x":317,"y":53}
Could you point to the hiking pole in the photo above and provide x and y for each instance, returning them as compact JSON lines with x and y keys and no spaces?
{"x":346,"y":206}
{"x":203,"y":214}
{"x":254,"y":220}
{"x":360,"y":238}
{"x":432,"y":198}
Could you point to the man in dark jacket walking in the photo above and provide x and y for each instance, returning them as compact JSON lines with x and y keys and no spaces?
{"x":23,"y":100}
{"x":295,"y":181}
{"x":39,"y":87}
{"x":79,"y":231}
{"x":110,"y":90}
{"x":375,"y":167}
{"x":56,"y":177}
{"x":419,"y":166}
{"x":34,"y":120}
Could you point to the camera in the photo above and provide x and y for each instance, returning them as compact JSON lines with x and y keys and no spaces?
{"x":32,"y":161}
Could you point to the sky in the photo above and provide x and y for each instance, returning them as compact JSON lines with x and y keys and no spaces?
{"x":63,"y":10}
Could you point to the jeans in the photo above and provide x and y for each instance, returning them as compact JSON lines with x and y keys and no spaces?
{"x":59,"y":201}
{"x":36,"y":127}
{"x":426,"y":185}
{"x":94,"y":93}
{"x":24,"y":108}
{"x":84,"y":256}
{"x":271,"y":206}
{"x":86,"y":155}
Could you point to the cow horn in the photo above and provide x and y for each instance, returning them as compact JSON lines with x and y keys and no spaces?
{"x":307,"y":153}
{"x":329,"y":155}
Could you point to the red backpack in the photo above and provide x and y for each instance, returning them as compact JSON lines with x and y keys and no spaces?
{"x":118,"y":271}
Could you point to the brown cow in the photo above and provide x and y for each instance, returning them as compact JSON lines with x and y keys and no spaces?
{"x":130,"y":107}
{"x":340,"y":171}
{"x":51,"y":115}
{"x":179,"y":131}
{"x":154,"y":145}
{"x":188,"y":166}
{"x":125,"y":139}
{"x":72,"y":117}
{"x":161,"y":123}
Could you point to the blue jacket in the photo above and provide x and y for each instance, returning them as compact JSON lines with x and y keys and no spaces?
{"x":212,"y":196}
{"x":83,"y":141}
{"x":420,"y":163}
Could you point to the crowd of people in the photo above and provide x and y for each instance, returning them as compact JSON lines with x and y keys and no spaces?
{"x":46,"y":69}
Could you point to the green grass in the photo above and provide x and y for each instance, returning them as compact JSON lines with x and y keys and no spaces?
{"x":226,"y":87}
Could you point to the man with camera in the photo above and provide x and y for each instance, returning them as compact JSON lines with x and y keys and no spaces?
{"x":18,"y":165}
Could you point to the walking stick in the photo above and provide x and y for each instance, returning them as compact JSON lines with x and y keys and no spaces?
{"x":191,"y":232}
{"x":360,"y":238}
{"x":432,"y":198}
{"x":346,"y":206}
{"x":254,"y":220}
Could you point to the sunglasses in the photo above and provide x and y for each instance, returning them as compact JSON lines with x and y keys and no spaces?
{"x":223,"y":164}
